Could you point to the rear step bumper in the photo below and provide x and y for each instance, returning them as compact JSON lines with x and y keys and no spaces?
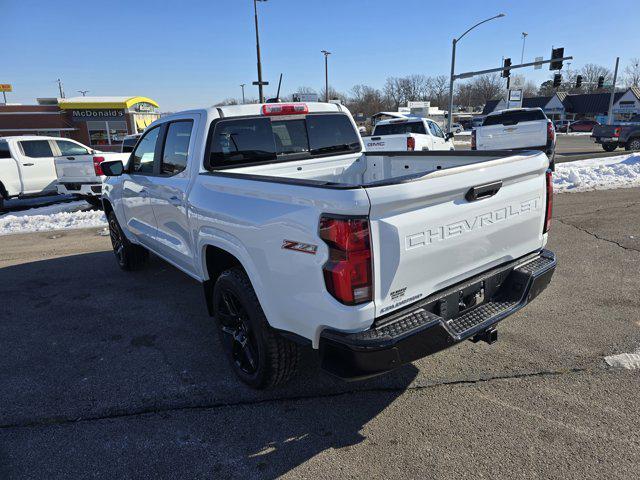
{"x":430,"y":326}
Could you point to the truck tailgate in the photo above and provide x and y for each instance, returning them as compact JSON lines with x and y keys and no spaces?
{"x":387,"y":143}
{"x":428,"y":234}
{"x":79,"y":169}
{"x":520,"y":135}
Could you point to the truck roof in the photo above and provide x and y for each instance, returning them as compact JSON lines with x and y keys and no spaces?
{"x":32,"y":137}
{"x":256,"y":108}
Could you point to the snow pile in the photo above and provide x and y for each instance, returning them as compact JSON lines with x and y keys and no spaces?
{"x":622,"y":171}
{"x":630,"y":361}
{"x":63,"y":216}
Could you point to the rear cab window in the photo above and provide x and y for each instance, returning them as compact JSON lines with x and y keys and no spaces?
{"x":4,"y":150}
{"x":128,"y":144}
{"x":70,"y":148}
{"x":251,"y":141}
{"x":36,"y":148}
{"x":400,"y":128}
{"x":514,"y":117}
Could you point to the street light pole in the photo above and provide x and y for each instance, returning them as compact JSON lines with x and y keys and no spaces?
{"x":242,"y":86}
{"x":613,"y":93}
{"x":326,"y":75}
{"x":255,"y":13}
{"x":524,"y":39}
{"x":453,"y":66}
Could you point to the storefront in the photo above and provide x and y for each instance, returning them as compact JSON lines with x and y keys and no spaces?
{"x":103,"y":122}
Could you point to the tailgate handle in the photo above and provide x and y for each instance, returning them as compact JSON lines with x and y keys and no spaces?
{"x":483,"y":191}
{"x":71,"y":158}
{"x":375,"y":138}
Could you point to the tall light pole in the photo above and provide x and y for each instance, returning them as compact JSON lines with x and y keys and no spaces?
{"x":524,"y":39}
{"x":326,"y":75}
{"x":260,"y":83}
{"x":242,"y":87}
{"x":453,"y":66}
{"x":60,"y":88}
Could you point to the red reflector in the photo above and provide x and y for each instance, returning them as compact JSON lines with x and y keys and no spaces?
{"x":549,"y":210}
{"x":96,"y":165}
{"x":347,"y":273}
{"x":285,"y":109}
{"x":473,"y":139}
{"x":551,"y":132}
{"x":616,"y":132}
{"x":411,"y":144}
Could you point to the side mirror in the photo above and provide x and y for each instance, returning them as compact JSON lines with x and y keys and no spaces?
{"x":113,"y":168}
{"x":448,"y":136}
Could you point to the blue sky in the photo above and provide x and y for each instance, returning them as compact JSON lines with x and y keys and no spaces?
{"x":194,"y":53}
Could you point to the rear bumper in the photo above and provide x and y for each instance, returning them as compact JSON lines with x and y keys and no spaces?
{"x":426,"y":328}
{"x":79,"y":188}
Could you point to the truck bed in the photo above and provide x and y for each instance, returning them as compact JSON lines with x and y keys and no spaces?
{"x":369,"y":169}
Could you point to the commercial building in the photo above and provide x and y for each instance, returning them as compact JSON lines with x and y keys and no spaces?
{"x":100,"y":122}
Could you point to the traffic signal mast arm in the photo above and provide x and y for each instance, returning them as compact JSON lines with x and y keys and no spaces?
{"x":512,"y":67}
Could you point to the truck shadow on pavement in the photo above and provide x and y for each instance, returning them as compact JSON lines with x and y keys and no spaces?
{"x":103,"y":360}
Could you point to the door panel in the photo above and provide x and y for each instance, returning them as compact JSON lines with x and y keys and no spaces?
{"x":37,"y":166}
{"x":73,"y":162}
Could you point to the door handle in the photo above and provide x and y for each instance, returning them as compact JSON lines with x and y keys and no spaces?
{"x":71,"y":158}
{"x":27,"y":164}
{"x":483,"y":191}
{"x":144,"y":193}
{"x":175,"y":201}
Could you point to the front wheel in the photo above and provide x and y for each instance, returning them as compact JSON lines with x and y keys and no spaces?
{"x":129,"y":256}
{"x":609,"y":147}
{"x":259,"y":356}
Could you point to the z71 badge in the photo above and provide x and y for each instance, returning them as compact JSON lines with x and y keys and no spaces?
{"x":300,"y":247}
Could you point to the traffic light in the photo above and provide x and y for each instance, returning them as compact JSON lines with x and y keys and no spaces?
{"x":557,"y":80}
{"x":507,"y":71}
{"x":600,"y":82}
{"x":578,"y":81}
{"x":555,"y":54}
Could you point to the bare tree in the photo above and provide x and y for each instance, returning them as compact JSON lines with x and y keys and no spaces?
{"x":529,"y":89}
{"x":228,"y":101}
{"x":487,"y":87}
{"x":546,"y":89}
{"x":632,"y":72}
{"x":394,"y":91}
{"x":333,"y":95}
{"x":367,"y":100}
{"x":438,"y":91}
{"x":590,"y":74}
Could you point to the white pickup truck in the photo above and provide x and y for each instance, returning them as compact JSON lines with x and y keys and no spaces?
{"x":299,"y":237}
{"x":516,"y":129}
{"x":407,"y":135}
{"x":27,"y":166}
{"x":78,"y":170}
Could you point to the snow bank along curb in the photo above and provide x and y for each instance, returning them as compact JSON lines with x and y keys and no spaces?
{"x":622,"y":171}
{"x":64,"y":216}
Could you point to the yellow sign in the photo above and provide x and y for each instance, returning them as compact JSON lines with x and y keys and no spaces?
{"x":6,"y":87}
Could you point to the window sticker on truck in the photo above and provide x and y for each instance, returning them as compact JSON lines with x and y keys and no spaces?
{"x":444,"y":232}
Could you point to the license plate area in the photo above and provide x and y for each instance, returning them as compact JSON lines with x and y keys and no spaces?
{"x":460,"y":301}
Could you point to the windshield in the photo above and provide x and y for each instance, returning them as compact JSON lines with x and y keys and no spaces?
{"x":399,"y":128}
{"x":237,"y":142}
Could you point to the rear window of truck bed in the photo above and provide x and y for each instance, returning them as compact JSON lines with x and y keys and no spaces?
{"x":514,"y":117}
{"x":399,"y":128}
{"x":255,"y":140}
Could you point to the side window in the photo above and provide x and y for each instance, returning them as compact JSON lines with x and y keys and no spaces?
{"x":4,"y":150}
{"x":70,"y":148}
{"x":435,"y":130}
{"x":176,"y":147}
{"x":144,"y":154}
{"x":36,"y":148}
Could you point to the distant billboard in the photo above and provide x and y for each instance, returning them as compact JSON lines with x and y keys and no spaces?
{"x":305,"y":97}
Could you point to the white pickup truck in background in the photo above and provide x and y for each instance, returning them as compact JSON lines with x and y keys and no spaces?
{"x":408,"y":135}
{"x":516,"y":129}
{"x":300,"y":237}
{"x":78,"y":170}
{"x":27,"y":167}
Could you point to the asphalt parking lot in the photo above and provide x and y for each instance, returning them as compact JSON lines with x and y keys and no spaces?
{"x":107,"y":374}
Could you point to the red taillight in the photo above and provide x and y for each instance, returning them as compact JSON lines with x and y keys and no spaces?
{"x":551,"y":132}
{"x":547,"y":215}
{"x":96,"y":165}
{"x":347,"y":273}
{"x":473,"y":139}
{"x":411,"y":144}
{"x":285,"y":109}
{"x":616,"y":132}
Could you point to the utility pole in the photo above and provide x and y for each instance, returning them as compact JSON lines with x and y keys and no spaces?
{"x":613,"y":91}
{"x":242,"y":87}
{"x":326,"y":75}
{"x":524,"y":39}
{"x":60,"y":88}
{"x":260,"y":83}
{"x":83,"y":92}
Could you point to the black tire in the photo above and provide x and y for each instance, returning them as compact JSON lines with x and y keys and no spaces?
{"x":633,"y":144}
{"x":609,"y":147}
{"x":259,"y":356}
{"x":129,"y":256}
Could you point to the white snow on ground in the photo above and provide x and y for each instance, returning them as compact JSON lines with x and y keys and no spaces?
{"x":64,"y":216}
{"x":630,"y":361}
{"x":621,"y":171}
